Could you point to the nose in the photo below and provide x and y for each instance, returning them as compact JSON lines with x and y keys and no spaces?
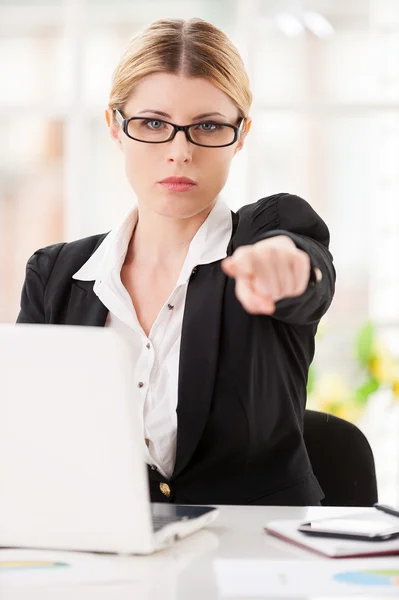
{"x":180,"y":149}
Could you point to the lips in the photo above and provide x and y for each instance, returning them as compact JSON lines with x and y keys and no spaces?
{"x":178,"y":184}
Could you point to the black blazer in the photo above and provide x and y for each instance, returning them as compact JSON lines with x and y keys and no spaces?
{"x":242,"y":378}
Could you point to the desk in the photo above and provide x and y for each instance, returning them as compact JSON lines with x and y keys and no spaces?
{"x":234,"y":559}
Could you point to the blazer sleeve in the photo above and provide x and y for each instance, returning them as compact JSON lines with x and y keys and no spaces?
{"x":38,"y":271}
{"x":286,"y":214}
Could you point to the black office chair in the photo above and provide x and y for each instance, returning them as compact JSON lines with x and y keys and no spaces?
{"x":342,"y":460}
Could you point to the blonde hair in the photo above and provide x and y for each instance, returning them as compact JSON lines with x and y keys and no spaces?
{"x":193,"y":48}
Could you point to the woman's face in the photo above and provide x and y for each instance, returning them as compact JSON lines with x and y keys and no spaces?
{"x":180,"y":100}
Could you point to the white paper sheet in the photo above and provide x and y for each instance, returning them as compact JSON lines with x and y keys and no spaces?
{"x":98,"y":576}
{"x":302,"y":578}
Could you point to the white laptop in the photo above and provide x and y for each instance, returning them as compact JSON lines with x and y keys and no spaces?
{"x":72,"y":474}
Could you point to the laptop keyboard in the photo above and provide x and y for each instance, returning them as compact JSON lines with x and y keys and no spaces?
{"x":158,"y":522}
{"x":165,"y":513}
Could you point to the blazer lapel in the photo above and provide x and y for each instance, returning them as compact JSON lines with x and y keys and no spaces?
{"x":199,"y":351}
{"x":84,"y":307}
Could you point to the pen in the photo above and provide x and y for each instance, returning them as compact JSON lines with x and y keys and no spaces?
{"x":390,"y":510}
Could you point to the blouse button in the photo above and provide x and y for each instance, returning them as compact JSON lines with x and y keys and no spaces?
{"x":140,"y":384}
{"x":148,"y":346}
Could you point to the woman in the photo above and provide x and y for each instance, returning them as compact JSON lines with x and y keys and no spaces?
{"x":220,"y":309}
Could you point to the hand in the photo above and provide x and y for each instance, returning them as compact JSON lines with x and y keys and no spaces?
{"x":268,"y":271}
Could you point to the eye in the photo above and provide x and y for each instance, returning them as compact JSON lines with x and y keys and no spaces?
{"x":208,"y":127}
{"x":153,"y":123}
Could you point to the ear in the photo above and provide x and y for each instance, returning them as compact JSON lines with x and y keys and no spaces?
{"x":244,"y":133}
{"x":114,"y":129}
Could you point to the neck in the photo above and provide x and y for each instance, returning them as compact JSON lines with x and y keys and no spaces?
{"x":161,"y":240}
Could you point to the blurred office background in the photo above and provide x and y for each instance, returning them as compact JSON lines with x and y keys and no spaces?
{"x":325,"y":79}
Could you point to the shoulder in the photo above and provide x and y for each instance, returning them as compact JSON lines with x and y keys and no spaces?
{"x":272,"y":208}
{"x":282,"y":211}
{"x":71,"y":255}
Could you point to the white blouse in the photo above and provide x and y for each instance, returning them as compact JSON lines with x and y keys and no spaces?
{"x":155,"y":359}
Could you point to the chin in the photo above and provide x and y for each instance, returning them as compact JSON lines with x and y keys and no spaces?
{"x":179,"y":206}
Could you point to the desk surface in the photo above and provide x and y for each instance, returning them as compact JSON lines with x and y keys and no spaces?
{"x":233,"y":558}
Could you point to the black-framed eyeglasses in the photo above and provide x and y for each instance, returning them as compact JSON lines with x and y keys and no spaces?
{"x":209,"y":134}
